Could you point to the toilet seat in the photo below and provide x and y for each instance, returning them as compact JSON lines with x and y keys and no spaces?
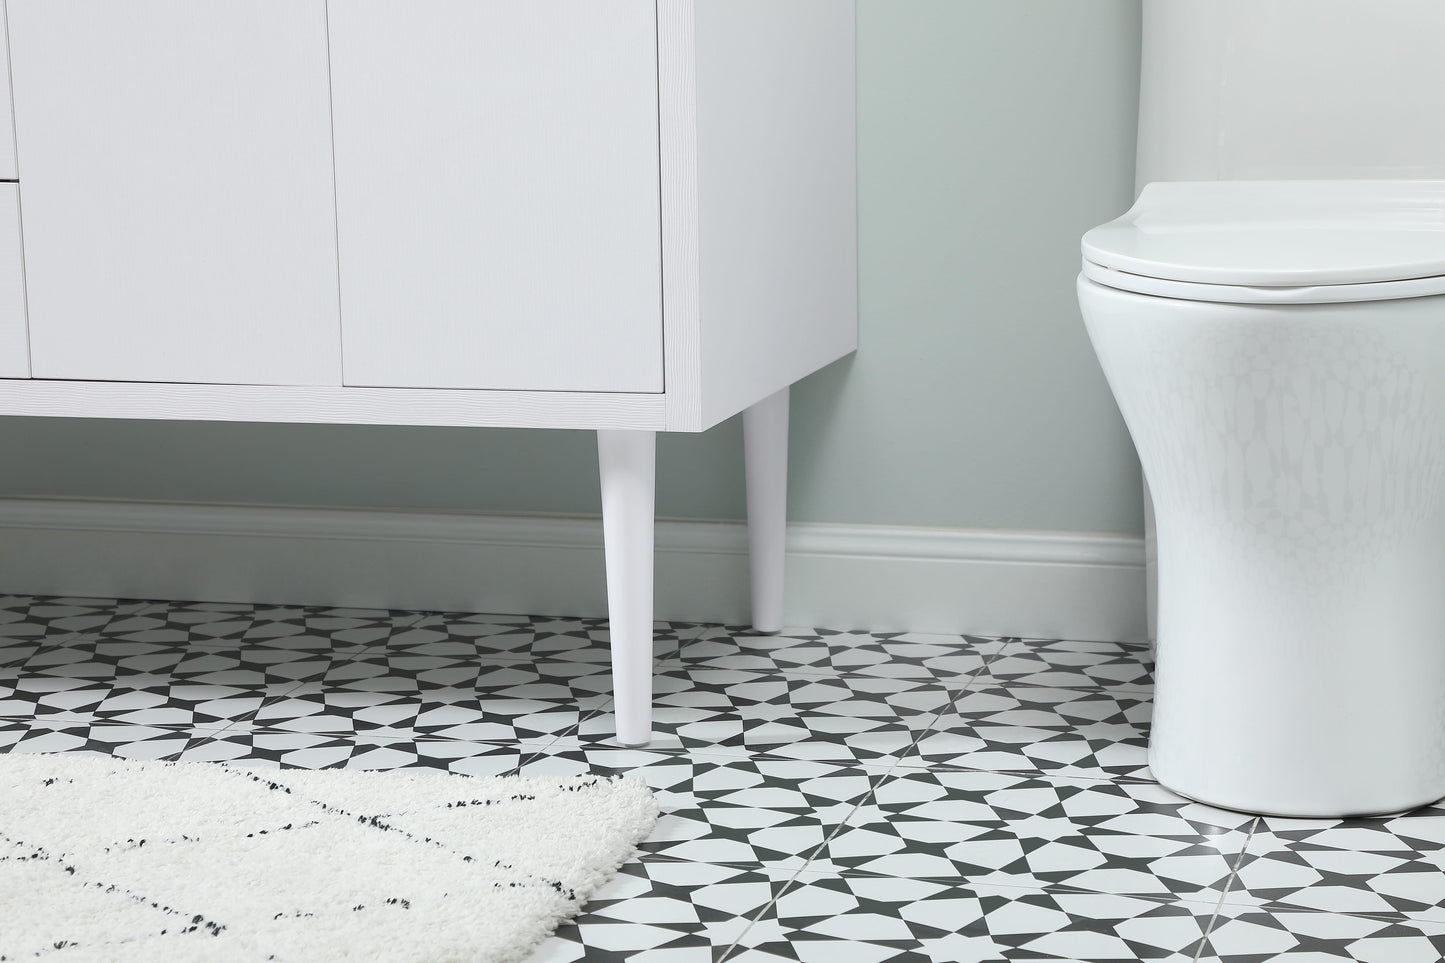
{"x":1245,"y":294}
{"x":1276,"y":242}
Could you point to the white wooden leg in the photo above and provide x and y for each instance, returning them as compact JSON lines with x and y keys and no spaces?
{"x":628,"y":460}
{"x":765,"y":450}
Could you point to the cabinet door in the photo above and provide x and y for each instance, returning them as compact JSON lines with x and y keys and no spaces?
{"x":14,"y":350}
{"x":176,"y":191}
{"x":497,"y":193}
{"x":7,"y":127}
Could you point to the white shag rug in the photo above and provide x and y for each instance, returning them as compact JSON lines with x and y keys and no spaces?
{"x":106,"y":859}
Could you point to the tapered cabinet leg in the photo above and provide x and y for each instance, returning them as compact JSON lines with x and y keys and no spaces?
{"x":765,"y":450}
{"x":628,"y":460}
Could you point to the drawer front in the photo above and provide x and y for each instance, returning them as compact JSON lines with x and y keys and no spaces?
{"x":498,"y":218}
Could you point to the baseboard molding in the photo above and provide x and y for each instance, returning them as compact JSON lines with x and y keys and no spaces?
{"x":840,"y":576}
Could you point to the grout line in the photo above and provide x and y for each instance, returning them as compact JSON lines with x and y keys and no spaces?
{"x":808,"y":861}
{"x":249,"y":717}
{"x":238,"y":638}
{"x":974,"y":680}
{"x":190,"y":741}
{"x":698,"y":628}
{"x":1233,"y":875}
{"x":559,"y":736}
{"x":1036,"y":773}
{"x":875,"y":783}
{"x":1123,"y":688}
{"x":889,"y":773}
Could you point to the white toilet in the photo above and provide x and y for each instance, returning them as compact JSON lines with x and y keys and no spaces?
{"x":1270,"y":316}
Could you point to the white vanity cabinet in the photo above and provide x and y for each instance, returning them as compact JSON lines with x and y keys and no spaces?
{"x":630,"y":216}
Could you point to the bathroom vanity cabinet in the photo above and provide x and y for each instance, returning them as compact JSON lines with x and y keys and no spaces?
{"x":630,"y":216}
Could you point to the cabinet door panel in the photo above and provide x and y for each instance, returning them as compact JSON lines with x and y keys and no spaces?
{"x":14,"y":352}
{"x":14,"y":349}
{"x":7,"y":120}
{"x":497,"y":193}
{"x":178,"y":197}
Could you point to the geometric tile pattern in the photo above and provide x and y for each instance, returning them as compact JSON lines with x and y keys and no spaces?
{"x":1361,"y":866}
{"x":880,"y":918}
{"x":1250,"y":934}
{"x":826,"y":795}
{"x":1097,"y":732}
{"x":1126,"y":838}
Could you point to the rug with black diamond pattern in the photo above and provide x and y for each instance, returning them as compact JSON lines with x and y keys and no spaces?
{"x":105,"y":859}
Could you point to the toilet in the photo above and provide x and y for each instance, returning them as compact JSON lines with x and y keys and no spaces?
{"x":1270,"y":316}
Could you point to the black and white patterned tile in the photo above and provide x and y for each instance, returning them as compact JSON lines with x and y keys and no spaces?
{"x":494,"y":638}
{"x":1067,"y":664}
{"x":869,"y":919}
{"x":16,"y":651}
{"x":1132,"y":839}
{"x":48,"y":619}
{"x":737,"y":810}
{"x":125,"y":741}
{"x":1393,"y":865}
{"x":1085,"y":732}
{"x":668,"y":911}
{"x":294,"y":628}
{"x":131,"y":677}
{"x":430,"y":655}
{"x":117,"y":680}
{"x":843,"y":719}
{"x":1251,"y":934}
{"x":484,"y":679}
{"x":522,"y":701}
{"x":826,"y":795}
{"x":244,"y":745}
{"x":951,"y":661}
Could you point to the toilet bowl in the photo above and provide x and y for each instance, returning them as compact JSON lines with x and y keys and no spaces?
{"x":1277,"y":350}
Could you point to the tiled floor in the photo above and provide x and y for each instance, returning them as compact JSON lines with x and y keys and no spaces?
{"x":827,"y":796}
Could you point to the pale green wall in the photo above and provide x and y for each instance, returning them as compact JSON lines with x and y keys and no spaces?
{"x":992,"y":133}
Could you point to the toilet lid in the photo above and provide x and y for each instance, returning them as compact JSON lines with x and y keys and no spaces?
{"x":1273,"y":241}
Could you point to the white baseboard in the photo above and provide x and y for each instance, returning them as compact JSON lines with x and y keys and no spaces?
{"x":838,"y":576}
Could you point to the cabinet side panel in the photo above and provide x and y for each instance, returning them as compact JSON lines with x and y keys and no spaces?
{"x":497,"y":191}
{"x":178,"y":197}
{"x":677,"y":133}
{"x":14,"y":351}
{"x":777,"y":194}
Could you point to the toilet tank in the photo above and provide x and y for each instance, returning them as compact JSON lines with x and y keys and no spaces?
{"x":1293,"y":89}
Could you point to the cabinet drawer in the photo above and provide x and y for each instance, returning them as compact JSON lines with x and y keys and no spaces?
{"x":14,"y":348}
{"x":497,"y":193}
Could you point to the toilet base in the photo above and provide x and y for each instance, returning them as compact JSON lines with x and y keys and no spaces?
{"x":1296,"y":459}
{"x":1246,"y":801}
{"x":1320,"y":718}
